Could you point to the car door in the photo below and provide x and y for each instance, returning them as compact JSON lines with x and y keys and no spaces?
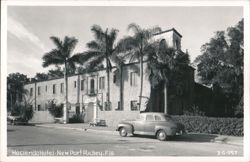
{"x":149,"y":126}
{"x":139,"y":125}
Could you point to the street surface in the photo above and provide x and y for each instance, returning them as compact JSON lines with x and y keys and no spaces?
{"x":38,"y":141}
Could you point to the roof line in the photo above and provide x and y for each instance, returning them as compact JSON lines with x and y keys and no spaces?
{"x":165,"y":31}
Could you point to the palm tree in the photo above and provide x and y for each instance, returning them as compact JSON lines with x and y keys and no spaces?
{"x":166,"y":64}
{"x":139,"y":44}
{"x":102,"y":48}
{"x":61,"y":55}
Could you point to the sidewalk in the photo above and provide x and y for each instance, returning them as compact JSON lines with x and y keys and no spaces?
{"x":223,"y":139}
{"x":79,"y":127}
{"x":233,"y":140}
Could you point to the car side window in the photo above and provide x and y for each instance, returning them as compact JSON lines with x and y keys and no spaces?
{"x":149,"y":118}
{"x":157,"y":118}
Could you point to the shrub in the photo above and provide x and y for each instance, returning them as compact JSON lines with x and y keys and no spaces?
{"x":76,"y":119}
{"x":23,"y":110}
{"x":56,"y":110}
{"x":212,"y":125}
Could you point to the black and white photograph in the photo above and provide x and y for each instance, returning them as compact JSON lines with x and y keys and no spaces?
{"x":108,"y":79}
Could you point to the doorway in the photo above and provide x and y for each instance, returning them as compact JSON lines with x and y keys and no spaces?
{"x":90,"y":113}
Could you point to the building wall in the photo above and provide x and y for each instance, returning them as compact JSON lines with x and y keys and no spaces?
{"x":172,"y":39}
{"x":78,"y":96}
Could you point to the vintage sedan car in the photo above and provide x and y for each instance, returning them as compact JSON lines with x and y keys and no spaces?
{"x":156,"y":124}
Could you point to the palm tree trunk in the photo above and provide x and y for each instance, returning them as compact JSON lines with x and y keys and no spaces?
{"x":165,"y":98}
{"x":108,"y":82}
{"x":121,"y":87}
{"x":11,"y":103}
{"x":141,"y":84}
{"x":35,"y":95}
{"x":65,"y":107}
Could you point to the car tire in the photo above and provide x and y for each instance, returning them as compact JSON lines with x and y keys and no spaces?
{"x":161,"y":135}
{"x":123,"y":132}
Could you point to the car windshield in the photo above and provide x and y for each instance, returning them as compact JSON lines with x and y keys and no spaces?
{"x":140,"y":117}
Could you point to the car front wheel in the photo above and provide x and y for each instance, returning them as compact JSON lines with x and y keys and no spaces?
{"x":161,"y":135}
{"x":123,"y":132}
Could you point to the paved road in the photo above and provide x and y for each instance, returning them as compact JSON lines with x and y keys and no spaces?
{"x":31,"y":140}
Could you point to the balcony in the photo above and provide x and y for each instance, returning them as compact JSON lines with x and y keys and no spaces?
{"x":92,"y":92}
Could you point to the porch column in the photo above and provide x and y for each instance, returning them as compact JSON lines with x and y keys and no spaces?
{"x":95,"y":111}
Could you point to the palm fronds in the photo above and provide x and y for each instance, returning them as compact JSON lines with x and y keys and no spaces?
{"x":53,"y":57}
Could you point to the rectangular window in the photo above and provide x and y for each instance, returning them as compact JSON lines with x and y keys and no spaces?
{"x":108,"y":106}
{"x":39,"y":90}
{"x":74,"y":84}
{"x":31,"y":91}
{"x":54,"y":89}
{"x":38,"y":107}
{"x":133,"y":80}
{"x":101,"y":82}
{"x":114,"y":78}
{"x":82,"y":84}
{"x":62,"y":87}
{"x":133,"y":105}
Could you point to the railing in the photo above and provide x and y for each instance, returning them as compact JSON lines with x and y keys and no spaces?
{"x":92,"y":92}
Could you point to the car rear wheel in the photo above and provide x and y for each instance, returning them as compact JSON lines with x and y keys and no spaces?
{"x":161,"y":135}
{"x":123,"y":132}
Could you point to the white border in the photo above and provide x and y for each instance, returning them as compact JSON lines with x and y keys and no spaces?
{"x":3,"y":139}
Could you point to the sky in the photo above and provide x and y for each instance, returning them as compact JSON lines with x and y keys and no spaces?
{"x":29,"y":28}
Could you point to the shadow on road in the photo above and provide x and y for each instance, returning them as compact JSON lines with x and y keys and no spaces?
{"x":194,"y":138}
{"x":22,"y":124}
{"x":11,"y":130}
{"x":191,"y":137}
{"x":72,"y":144}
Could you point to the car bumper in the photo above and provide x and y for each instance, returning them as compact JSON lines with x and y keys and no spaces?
{"x":181,"y":132}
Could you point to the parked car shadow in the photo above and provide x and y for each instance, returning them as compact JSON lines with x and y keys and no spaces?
{"x":194,"y":137}
{"x":22,"y":124}
{"x":190,"y":137}
{"x":11,"y":130}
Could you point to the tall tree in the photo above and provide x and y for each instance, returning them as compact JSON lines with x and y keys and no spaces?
{"x":56,"y":73}
{"x":221,"y":61}
{"x":102,"y":48}
{"x":139,"y":45}
{"x":15,"y":88}
{"x":41,"y":77}
{"x":62,"y":55}
{"x":165,"y":65}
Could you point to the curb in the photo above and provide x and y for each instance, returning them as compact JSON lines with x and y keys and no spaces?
{"x":226,"y":140}
{"x":80,"y":129}
{"x":219,"y":139}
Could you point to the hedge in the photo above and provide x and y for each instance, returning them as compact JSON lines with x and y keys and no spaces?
{"x":212,"y":125}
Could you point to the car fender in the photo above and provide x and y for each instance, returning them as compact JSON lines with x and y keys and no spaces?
{"x":129,"y":127}
{"x":170,"y":131}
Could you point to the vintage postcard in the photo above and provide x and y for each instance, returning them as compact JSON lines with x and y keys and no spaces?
{"x":125,"y":80}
